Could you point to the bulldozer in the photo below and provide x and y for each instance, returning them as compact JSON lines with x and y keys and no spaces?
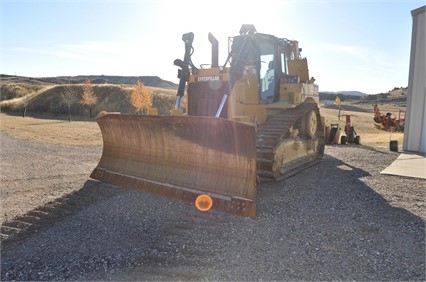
{"x":252,"y":119}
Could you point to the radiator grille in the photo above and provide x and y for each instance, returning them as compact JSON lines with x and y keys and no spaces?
{"x":204,"y":98}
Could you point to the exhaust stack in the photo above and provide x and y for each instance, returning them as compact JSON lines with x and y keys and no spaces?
{"x":215,"y":50}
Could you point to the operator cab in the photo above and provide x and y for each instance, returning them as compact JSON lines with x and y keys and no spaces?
{"x":270,"y":55}
{"x":267,"y":83}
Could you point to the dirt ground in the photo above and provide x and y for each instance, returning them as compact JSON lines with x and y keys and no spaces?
{"x":343,"y":222}
{"x":85,"y":133}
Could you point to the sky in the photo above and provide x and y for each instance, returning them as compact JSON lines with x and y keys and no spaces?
{"x":353,"y":45}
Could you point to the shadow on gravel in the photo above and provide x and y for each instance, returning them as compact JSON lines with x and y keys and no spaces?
{"x":34,"y":221}
{"x":363,"y":146}
{"x":325,"y":223}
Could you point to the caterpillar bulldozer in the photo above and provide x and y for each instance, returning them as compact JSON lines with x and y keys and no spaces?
{"x":253,"y":118}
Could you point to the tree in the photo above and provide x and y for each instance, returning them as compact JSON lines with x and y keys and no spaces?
{"x":69,"y":96}
{"x":141,"y":98}
{"x":88,"y":97}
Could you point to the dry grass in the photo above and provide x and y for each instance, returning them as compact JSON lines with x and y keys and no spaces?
{"x":20,"y":94}
{"x":75,"y":133}
{"x":87,"y":132}
{"x":18,"y":90}
{"x":44,"y":122}
{"x":111,"y":97}
{"x":43,"y":99}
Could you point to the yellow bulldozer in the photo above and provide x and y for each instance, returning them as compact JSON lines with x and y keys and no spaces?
{"x":255,"y":117}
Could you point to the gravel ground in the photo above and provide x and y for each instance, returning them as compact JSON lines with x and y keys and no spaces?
{"x":338,"y":220}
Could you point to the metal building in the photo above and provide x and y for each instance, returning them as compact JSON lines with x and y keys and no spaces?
{"x":415,"y":120}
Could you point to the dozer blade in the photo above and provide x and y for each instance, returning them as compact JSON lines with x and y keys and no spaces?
{"x":181,"y":157}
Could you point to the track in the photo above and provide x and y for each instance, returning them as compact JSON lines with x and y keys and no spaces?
{"x":275,"y":130}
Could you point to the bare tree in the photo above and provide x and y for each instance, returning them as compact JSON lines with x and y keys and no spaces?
{"x":141,"y":98}
{"x":69,"y":96}
{"x":88,"y":97}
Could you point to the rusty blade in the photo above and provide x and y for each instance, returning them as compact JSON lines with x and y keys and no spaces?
{"x":181,"y":158}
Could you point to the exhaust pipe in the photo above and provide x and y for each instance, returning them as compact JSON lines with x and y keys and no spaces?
{"x":215,"y":50}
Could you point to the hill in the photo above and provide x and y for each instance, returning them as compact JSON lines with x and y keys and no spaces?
{"x":42,"y":96}
{"x":397,"y":94}
{"x":343,"y":95}
{"x":154,"y":81}
{"x":346,"y":93}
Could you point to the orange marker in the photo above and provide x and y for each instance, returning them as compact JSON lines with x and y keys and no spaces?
{"x":203,"y":202}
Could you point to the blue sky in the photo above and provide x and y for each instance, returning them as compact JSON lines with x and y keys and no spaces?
{"x":350,"y":45}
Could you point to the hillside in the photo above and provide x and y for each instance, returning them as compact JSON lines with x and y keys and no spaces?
{"x":397,"y":94}
{"x":43,"y":95}
{"x":345,"y":93}
{"x":154,"y":81}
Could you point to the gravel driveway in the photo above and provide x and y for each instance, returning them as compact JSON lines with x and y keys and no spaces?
{"x":338,"y":220}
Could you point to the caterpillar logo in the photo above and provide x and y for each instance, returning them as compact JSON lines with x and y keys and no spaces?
{"x":209,"y":78}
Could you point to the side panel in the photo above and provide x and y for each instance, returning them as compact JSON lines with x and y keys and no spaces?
{"x":181,"y":157}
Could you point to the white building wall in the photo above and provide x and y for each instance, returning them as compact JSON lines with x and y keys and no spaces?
{"x":415,"y":120}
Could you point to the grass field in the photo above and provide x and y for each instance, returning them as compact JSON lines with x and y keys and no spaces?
{"x":44,"y":122}
{"x":84,"y":132}
{"x":79,"y":133}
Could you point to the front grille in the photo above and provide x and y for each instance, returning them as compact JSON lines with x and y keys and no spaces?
{"x":204,"y":98}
